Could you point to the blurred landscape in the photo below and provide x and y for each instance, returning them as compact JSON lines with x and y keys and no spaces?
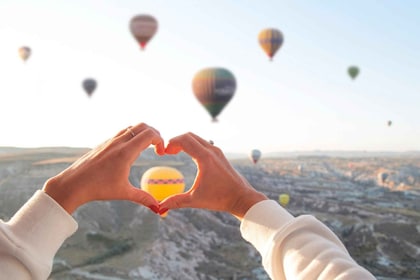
{"x":370,"y":200}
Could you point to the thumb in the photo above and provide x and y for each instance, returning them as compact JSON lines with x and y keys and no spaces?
{"x":181,"y":200}
{"x":144,"y":198}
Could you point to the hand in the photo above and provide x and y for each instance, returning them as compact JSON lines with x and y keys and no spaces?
{"x":217,"y":186}
{"x":102,"y":173}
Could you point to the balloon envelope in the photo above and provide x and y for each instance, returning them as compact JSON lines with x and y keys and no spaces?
{"x":143,"y":28}
{"x":353,"y":71}
{"x":284,"y":199}
{"x":162,"y":181}
{"x":389,"y":123}
{"x":24,"y":52}
{"x":270,"y":39}
{"x":89,"y":85}
{"x":214,"y":88}
{"x":382,"y":177}
{"x":255,"y":155}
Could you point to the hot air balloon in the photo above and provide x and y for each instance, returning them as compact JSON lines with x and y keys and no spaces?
{"x":300,"y":168}
{"x":255,"y":155}
{"x":389,"y":123}
{"x":89,"y":85}
{"x":270,"y":40}
{"x":353,"y":71}
{"x":24,"y":53}
{"x":284,"y":199}
{"x":162,"y":182}
{"x":143,"y":28}
{"x":214,"y":88}
{"x":382,"y":177}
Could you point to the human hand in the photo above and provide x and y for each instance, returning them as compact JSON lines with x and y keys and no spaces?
{"x":217,"y":186}
{"x":102,"y":173}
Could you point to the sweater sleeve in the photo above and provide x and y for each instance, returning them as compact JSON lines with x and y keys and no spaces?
{"x":297,"y":248}
{"x":29,"y":241}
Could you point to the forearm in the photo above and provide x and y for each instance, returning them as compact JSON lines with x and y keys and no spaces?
{"x":29,"y":241}
{"x":13,"y":268}
{"x":297,"y":248}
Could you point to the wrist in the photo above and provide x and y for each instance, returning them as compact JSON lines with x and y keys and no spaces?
{"x":61,"y":195}
{"x":246,"y":201}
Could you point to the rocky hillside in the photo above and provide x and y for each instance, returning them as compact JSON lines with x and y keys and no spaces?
{"x":376,"y":216}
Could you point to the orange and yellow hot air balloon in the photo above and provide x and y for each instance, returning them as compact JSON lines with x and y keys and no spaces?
{"x":143,"y":28}
{"x":270,"y":39}
{"x":162,"y":182}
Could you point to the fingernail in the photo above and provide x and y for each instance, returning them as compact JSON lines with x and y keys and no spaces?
{"x":154,"y":208}
{"x":163,"y":211}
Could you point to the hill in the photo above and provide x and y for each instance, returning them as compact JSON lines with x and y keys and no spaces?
{"x":378,"y":220}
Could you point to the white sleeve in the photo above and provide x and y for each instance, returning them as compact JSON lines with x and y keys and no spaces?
{"x":29,"y":241}
{"x":297,"y":248}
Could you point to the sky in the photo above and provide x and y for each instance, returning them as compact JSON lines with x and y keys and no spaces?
{"x":302,"y":100}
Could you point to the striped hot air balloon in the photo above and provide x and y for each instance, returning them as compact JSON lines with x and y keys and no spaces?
{"x":162,"y":182}
{"x":214,"y":88}
{"x":143,"y":28}
{"x":270,"y":39}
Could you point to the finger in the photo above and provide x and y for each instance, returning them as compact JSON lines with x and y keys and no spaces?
{"x":209,"y":145}
{"x":177,"y":201}
{"x":203,"y":142}
{"x":141,"y":197}
{"x":189,"y":143}
{"x":131,"y":132}
{"x":160,"y":148}
{"x":158,"y":142}
{"x":172,"y":148}
{"x":145,"y":138}
{"x":124,"y":135}
{"x":138,"y":129}
{"x":122,"y":131}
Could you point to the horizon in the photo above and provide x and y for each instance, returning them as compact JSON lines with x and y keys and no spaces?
{"x":268,"y":155}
